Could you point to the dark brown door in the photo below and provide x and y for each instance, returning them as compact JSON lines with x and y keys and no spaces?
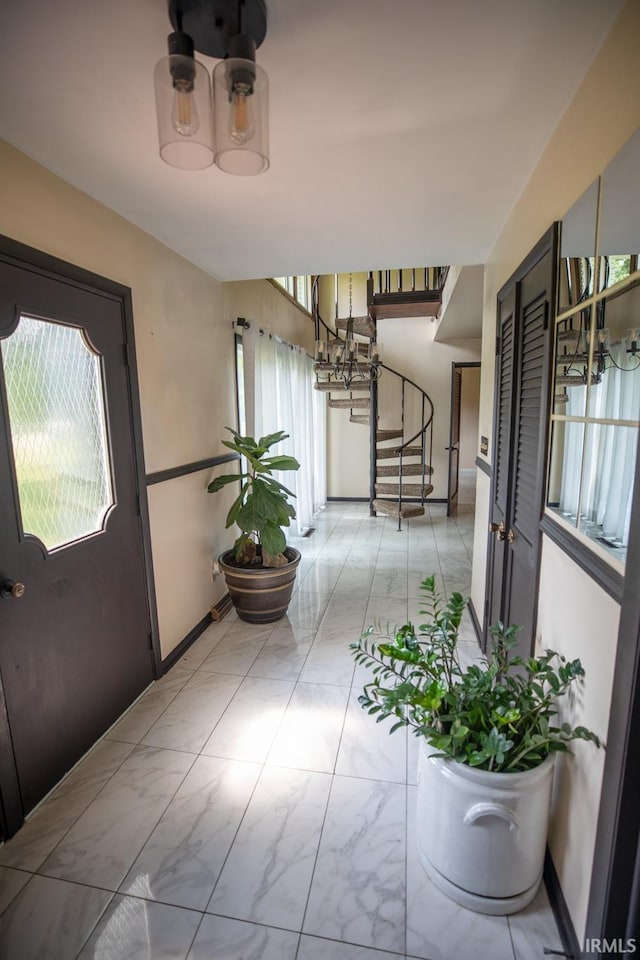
{"x":525,"y":307}
{"x":74,"y":618}
{"x":454,"y":439}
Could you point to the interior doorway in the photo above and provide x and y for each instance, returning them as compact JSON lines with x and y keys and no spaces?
{"x":463,"y":434}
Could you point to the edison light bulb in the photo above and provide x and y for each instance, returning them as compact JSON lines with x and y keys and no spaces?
{"x":241,"y":120}
{"x":184,"y":115}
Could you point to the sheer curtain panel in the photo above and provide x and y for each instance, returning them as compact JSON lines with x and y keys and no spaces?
{"x":281,"y":390}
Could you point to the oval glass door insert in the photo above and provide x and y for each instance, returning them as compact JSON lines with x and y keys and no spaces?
{"x":55,"y":396}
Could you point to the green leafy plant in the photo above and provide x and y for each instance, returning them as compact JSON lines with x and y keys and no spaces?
{"x":262,"y":508}
{"x":496,"y":715}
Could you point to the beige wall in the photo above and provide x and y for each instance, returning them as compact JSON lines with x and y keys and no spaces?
{"x":604,"y":113}
{"x":578,"y":619}
{"x":409,"y":347}
{"x":347,"y":443}
{"x":185,"y":364}
{"x":260,"y":301}
{"x":479,"y":569}
{"x":469,"y":414}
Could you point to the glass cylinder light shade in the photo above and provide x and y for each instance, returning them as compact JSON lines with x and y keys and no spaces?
{"x":241,"y":102}
{"x":185,"y":120}
{"x":322,"y":351}
{"x":337,"y":351}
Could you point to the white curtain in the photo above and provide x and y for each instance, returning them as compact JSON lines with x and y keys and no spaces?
{"x":281,"y":390}
{"x":572,"y":459}
{"x":610,"y":450}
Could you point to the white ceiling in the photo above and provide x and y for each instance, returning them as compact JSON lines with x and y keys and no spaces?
{"x":402,"y":132}
{"x":461,"y":315}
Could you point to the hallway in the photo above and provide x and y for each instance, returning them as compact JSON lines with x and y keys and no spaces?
{"x":246,"y":808}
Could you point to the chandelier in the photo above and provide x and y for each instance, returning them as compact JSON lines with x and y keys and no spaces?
{"x":349,"y":364}
{"x":577,"y":367}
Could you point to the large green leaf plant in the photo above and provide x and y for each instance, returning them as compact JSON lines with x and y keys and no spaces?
{"x":497,"y":715}
{"x":262,"y":507}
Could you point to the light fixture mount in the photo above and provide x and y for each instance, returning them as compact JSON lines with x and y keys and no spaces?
{"x":212,"y":23}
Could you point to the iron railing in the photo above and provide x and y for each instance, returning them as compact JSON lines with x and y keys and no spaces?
{"x":422,"y":280}
{"x":424,"y":434}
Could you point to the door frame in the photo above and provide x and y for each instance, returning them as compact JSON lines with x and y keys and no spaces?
{"x":455,"y":365}
{"x":22,"y":256}
{"x":547,"y":243}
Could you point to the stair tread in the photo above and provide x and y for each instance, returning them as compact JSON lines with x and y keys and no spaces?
{"x":386,"y":453}
{"x":363,"y":326}
{"x":408,"y":470}
{"x":408,"y":489}
{"x":390,"y":509}
{"x":327,"y":386}
{"x":363,"y":349}
{"x":361,"y":403}
{"x":357,"y":418}
{"x":405,"y":303}
{"x":388,"y":434}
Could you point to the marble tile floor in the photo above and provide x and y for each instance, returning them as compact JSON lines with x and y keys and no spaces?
{"x":245,"y":808}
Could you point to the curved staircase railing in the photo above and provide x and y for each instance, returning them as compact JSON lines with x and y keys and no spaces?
{"x":416,"y":446}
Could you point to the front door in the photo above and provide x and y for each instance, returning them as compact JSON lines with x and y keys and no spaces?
{"x":74,"y":618}
{"x":525,"y":308}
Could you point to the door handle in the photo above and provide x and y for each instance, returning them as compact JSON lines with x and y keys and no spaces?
{"x":10,"y":589}
{"x":500,"y":530}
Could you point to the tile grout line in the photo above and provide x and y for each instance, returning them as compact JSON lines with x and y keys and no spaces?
{"x":258,"y":780}
{"x":79,"y":817}
{"x":329,"y":795}
{"x":377,"y":544}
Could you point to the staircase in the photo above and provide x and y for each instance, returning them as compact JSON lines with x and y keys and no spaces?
{"x":400,"y":464}
{"x":387,"y":296}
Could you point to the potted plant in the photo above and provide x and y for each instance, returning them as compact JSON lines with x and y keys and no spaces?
{"x":488,"y":741}
{"x":260,"y":569}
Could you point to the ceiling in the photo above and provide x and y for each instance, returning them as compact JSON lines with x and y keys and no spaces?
{"x":460,"y":317}
{"x":401,"y":132}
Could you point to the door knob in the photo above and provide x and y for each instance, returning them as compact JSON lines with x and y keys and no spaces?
{"x":501,"y":531}
{"x":10,"y":589}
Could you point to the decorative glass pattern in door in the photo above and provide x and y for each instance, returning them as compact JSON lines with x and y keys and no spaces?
{"x":55,"y":398}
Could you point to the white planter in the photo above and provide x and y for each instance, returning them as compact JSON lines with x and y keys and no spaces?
{"x":482,"y":835}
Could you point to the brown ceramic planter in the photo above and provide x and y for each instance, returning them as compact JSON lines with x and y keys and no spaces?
{"x":260,"y":594}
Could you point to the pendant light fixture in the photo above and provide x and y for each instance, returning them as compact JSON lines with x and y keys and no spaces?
{"x":183,"y":104}
{"x":233,"y":132}
{"x":350,"y":362}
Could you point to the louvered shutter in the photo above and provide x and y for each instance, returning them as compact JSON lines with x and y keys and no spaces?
{"x":520,"y":432}
{"x":503,"y":424}
{"x":526,"y":508}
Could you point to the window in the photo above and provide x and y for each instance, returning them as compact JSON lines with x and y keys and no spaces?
{"x":240,"y":393}
{"x":54,"y":382}
{"x":298,"y":288}
{"x":596,"y":395}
